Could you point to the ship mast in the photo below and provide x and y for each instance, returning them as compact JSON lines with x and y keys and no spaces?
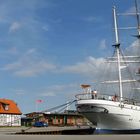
{"x":138,"y":28}
{"x":138,"y":22}
{"x":117,"y":47}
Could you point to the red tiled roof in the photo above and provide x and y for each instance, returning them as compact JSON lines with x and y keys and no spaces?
{"x":12,"y":107}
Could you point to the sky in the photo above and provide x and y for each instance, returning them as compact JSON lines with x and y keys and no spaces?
{"x":48,"y":48}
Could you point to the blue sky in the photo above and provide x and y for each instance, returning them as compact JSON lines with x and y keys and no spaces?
{"x":49,"y":47}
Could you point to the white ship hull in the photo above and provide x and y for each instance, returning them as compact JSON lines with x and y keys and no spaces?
{"x":110,"y":115}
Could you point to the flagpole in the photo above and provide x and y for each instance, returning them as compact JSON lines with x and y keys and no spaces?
{"x":36,"y":106}
{"x":37,"y":102}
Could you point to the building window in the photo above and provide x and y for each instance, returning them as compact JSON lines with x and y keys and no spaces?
{"x":6,"y":107}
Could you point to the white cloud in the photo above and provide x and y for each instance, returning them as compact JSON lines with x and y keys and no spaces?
{"x":12,"y":66}
{"x":102,"y":44}
{"x":131,"y":10}
{"x":59,"y":88}
{"x":36,"y":68}
{"x":48,"y":94}
{"x":30,"y":51}
{"x":12,"y":50}
{"x":91,"y":19}
{"x":14,"y":27}
{"x":91,"y":66}
{"x":45,"y":28}
{"x":134,"y":48}
{"x":18,"y":91}
{"x":29,"y":64}
{"x":55,"y":90}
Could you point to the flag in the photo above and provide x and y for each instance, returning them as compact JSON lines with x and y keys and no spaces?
{"x":39,"y":101}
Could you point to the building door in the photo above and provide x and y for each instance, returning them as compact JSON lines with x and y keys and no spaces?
{"x":65,"y":120}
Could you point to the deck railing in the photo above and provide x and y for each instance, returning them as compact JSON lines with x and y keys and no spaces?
{"x":87,"y":96}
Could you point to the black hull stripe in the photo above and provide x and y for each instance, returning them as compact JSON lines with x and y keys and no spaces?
{"x":109,"y":131}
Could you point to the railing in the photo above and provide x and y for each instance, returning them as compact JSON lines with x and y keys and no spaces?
{"x":88,"y":96}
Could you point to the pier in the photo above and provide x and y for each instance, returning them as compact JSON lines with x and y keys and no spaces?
{"x":83,"y":130}
{"x":58,"y":131}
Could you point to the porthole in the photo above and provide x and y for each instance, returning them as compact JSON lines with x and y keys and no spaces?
{"x":92,"y":106}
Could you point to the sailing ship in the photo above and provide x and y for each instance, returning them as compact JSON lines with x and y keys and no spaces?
{"x":114,"y":112}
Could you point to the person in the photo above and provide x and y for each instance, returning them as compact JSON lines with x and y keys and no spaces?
{"x":138,"y":70}
{"x":114,"y":98}
{"x":109,"y":98}
{"x":94,"y":94}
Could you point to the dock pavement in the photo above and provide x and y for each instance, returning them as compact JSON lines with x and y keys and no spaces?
{"x":7,"y":133}
{"x":70,"y":137}
{"x":18,"y":130}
